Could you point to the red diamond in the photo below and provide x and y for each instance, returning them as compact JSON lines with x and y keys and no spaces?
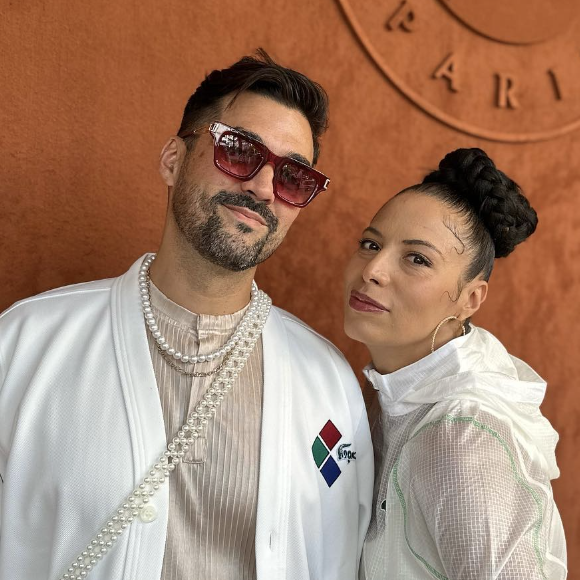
{"x":330,"y":434}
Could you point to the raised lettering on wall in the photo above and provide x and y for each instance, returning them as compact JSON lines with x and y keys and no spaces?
{"x":448,"y":70}
{"x":403,"y":18}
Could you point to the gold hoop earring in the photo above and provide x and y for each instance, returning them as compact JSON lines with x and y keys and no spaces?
{"x":440,"y":325}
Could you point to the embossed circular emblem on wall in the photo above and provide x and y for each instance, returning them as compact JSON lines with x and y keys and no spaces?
{"x":505,"y":70}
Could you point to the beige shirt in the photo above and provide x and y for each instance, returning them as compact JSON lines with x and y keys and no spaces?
{"x":213,"y":495}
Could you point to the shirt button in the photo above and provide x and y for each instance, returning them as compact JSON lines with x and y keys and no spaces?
{"x":148,"y":513}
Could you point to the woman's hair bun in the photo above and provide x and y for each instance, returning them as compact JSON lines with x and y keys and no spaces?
{"x":493,"y":196}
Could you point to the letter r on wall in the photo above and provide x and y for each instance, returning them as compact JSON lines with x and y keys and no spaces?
{"x":506,"y":98}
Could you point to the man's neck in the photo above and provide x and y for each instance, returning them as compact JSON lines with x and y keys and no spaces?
{"x":199,"y":286}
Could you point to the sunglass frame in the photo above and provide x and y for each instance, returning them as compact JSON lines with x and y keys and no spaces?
{"x":218,"y":130}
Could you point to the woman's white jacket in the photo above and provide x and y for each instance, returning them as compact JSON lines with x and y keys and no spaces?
{"x":81,"y":424}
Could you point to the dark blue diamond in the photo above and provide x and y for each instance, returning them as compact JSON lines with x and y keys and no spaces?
{"x":330,"y":471}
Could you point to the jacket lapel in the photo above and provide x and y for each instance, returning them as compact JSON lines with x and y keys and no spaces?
{"x":145,"y":420}
{"x":274,"y":482}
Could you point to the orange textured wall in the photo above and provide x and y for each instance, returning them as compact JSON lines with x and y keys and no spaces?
{"x":90,"y":91}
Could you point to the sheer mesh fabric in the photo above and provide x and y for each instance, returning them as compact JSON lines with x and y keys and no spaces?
{"x":458,"y":496}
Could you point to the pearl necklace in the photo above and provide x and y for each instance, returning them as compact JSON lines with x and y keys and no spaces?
{"x":182,"y":371}
{"x":144,"y":283}
{"x":136,"y":504}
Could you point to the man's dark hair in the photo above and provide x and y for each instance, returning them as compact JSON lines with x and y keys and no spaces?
{"x":261,"y":75}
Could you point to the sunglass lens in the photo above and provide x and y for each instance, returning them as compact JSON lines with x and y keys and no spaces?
{"x":296,"y":183}
{"x":237,"y":155}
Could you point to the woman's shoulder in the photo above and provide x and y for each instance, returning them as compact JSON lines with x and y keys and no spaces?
{"x":472,"y":439}
{"x":462,"y":422}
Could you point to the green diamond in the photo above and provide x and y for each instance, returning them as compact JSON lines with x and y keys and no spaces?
{"x":319,"y":452}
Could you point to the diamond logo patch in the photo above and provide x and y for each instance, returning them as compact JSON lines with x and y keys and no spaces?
{"x":324,"y":443}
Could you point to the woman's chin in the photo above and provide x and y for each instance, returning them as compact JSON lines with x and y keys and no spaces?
{"x":362,"y":333}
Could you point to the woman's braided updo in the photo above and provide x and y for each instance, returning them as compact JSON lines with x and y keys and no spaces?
{"x":498,"y":216}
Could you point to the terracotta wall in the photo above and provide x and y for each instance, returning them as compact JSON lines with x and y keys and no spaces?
{"x":89,"y":91}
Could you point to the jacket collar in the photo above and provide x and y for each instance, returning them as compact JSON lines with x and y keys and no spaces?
{"x":142,"y":406}
{"x":477,"y":361}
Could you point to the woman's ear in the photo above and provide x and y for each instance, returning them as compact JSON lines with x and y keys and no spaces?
{"x":475,"y":294}
{"x":171,"y":159}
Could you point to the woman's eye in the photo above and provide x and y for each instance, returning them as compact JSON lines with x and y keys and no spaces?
{"x":419,"y":260}
{"x":368,"y":245}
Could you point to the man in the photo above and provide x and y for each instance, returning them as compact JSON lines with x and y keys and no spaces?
{"x":149,"y":428}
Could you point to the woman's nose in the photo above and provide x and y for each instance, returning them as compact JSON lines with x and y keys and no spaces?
{"x":376,"y":271}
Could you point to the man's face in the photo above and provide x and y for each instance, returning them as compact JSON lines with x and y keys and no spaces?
{"x":231,"y":223}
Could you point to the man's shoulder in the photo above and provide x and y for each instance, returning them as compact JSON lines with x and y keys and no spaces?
{"x":62,"y":298}
{"x":301,"y":333}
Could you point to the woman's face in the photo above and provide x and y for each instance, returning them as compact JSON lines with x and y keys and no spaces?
{"x":406,"y":276}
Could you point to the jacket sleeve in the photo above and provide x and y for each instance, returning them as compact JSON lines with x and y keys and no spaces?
{"x":486,"y":513}
{"x":3,"y":451}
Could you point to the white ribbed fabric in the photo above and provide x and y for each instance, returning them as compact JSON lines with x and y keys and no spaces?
{"x":212,"y":504}
{"x":464,"y":460}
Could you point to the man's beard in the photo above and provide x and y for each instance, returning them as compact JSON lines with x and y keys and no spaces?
{"x":196,"y":215}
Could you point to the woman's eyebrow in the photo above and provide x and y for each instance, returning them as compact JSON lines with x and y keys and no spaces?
{"x":373,"y":231}
{"x":422,"y":243}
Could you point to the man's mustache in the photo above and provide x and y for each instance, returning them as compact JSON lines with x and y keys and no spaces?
{"x":241,"y":200}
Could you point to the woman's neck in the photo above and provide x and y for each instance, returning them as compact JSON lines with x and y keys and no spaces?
{"x":390,"y":358}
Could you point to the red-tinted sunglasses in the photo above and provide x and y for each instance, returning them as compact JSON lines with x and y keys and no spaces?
{"x":240,"y":156}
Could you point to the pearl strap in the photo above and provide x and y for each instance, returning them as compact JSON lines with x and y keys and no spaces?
{"x":144,"y":289}
{"x":136,"y":503}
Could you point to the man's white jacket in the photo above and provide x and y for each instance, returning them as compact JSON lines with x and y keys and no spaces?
{"x":81,"y":424}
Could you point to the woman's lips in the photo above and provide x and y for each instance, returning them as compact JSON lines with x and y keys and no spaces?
{"x":363,"y":303}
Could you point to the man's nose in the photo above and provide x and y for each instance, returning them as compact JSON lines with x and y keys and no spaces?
{"x":261,"y":186}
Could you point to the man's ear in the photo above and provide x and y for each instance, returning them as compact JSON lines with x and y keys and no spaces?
{"x":475,"y":294}
{"x":171,"y":159}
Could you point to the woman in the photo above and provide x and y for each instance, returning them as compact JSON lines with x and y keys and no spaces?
{"x":464,"y":457}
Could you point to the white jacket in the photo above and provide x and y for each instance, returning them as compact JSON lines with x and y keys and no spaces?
{"x":81,"y":424}
{"x":465,"y":460}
